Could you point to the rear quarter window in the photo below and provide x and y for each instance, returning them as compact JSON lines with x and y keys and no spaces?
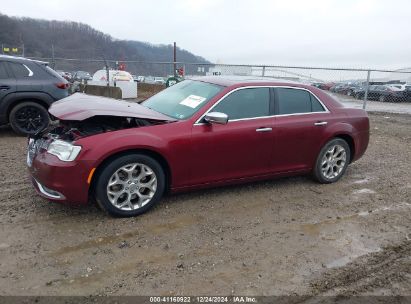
{"x":297,"y":101}
{"x":3,"y":71}
{"x":20,"y":70}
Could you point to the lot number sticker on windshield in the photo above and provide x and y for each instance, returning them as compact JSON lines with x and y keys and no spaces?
{"x":192,"y":101}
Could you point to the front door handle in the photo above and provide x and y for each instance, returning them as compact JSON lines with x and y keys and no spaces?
{"x":264,"y":129}
{"x":320,"y":123}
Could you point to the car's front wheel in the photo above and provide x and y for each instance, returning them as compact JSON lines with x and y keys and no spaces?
{"x":332,"y":161}
{"x":28,"y":118}
{"x":130,"y":185}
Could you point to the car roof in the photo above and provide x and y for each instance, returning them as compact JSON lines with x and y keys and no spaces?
{"x":20,"y":59}
{"x":228,"y":81}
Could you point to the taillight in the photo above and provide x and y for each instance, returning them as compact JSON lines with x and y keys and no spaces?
{"x":62,"y":85}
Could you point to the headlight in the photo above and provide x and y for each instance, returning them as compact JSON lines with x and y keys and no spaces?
{"x":63,"y":150}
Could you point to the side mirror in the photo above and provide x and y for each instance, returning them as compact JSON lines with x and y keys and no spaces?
{"x":216,"y":117}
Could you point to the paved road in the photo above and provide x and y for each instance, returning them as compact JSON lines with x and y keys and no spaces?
{"x":375,"y":106}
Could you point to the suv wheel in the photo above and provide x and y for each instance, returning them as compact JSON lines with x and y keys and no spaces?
{"x":332,"y":161}
{"x":130,"y":185}
{"x":28,"y":118}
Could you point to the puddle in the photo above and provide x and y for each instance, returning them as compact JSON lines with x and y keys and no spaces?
{"x":356,"y":248}
{"x":314,"y":229}
{"x":181,"y":222}
{"x":387,"y":208}
{"x":347,"y":259}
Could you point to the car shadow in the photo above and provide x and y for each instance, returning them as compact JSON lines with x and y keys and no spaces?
{"x":7,"y":131}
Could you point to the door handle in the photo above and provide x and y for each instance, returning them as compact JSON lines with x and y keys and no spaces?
{"x":4,"y":88}
{"x":320,"y":123}
{"x":264,"y":129}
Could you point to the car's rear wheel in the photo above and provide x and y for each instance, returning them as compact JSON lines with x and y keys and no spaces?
{"x":130,"y":185}
{"x":28,"y":118}
{"x":332,"y":161}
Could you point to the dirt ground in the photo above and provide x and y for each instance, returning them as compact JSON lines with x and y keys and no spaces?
{"x":289,"y":236}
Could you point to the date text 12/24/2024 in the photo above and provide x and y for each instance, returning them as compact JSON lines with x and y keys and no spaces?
{"x":203,"y":299}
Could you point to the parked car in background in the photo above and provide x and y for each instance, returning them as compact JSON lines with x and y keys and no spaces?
{"x":27,"y":89}
{"x":197,"y":133}
{"x":352,"y":87}
{"x":82,"y":76}
{"x":140,"y":78}
{"x":323,"y":85}
{"x":407,"y":93}
{"x":340,"y":88}
{"x":400,"y":86}
{"x":385,"y":93}
{"x":66,"y":75}
{"x":159,"y":80}
{"x":149,"y":79}
{"x":359,"y":92}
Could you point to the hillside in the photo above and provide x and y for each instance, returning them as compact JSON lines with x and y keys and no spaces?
{"x":79,"y":40}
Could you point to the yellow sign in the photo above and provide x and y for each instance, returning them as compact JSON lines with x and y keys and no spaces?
{"x":6,"y":49}
{"x":14,"y":50}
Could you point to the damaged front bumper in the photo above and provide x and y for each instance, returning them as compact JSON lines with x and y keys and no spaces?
{"x":57,"y":180}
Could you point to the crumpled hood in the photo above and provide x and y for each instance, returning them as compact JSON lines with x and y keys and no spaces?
{"x":81,"y":106}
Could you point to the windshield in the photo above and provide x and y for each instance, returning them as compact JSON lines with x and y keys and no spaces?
{"x":183,"y":99}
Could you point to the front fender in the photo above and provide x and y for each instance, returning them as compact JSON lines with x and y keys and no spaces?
{"x":99,"y":147}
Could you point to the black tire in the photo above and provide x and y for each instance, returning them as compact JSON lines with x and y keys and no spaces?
{"x":318,"y":169}
{"x":103,"y":178}
{"x":28,"y":118}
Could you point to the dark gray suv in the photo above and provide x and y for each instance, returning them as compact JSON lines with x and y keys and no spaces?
{"x":27,"y":89}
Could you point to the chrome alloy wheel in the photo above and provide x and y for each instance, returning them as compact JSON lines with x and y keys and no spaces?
{"x":132,"y":186}
{"x":333,"y":161}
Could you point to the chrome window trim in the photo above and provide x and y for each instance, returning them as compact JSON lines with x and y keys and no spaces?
{"x":30,"y":71}
{"x":326,"y":110}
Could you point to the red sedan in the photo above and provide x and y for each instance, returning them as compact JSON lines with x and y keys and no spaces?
{"x":198,"y":133}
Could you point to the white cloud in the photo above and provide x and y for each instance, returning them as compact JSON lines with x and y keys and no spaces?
{"x":315,"y":32}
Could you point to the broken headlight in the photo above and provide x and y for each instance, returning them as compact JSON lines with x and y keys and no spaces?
{"x":63,"y":150}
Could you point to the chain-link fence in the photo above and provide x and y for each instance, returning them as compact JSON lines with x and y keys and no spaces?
{"x":359,"y":85}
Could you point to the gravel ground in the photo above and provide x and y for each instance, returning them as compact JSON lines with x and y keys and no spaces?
{"x":289,"y":236}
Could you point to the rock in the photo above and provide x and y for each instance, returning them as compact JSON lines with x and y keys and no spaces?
{"x":180,"y":265}
{"x":123,"y":244}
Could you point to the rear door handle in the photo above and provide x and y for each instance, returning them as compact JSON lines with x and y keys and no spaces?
{"x":264,"y":129}
{"x":4,"y":88}
{"x":320,"y":123}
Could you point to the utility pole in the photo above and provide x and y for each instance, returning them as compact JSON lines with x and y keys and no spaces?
{"x":175,"y":60}
{"x":22,"y":49}
{"x":52,"y":56}
{"x":364,"y":105}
